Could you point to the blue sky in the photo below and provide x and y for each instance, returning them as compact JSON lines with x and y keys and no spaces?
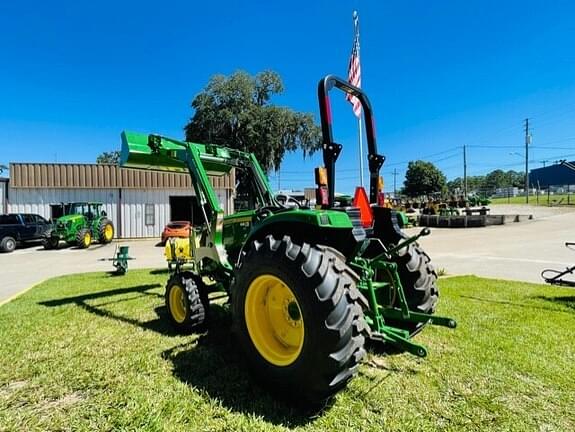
{"x":439,"y":74}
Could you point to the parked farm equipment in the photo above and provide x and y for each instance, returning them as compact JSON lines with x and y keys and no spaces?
{"x":81,"y":224}
{"x":307,"y":287}
{"x":558,"y":277}
{"x":120,"y":260}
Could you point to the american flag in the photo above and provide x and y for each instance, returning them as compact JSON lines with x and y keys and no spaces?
{"x":354,"y":68}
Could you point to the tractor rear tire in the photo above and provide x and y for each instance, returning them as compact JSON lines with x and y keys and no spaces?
{"x":187,"y":302}
{"x":8,"y":244}
{"x":419,"y":281}
{"x":297,"y":315}
{"x":83,"y":238}
{"x":106,"y":231}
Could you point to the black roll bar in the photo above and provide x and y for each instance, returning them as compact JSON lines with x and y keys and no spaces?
{"x":331,"y":150}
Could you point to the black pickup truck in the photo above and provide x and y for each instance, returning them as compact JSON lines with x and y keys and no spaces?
{"x":20,"y":227}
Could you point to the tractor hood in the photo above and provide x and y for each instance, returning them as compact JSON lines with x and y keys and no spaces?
{"x":69,"y":218}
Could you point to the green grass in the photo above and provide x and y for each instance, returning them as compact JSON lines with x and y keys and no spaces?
{"x":93,"y":352}
{"x":560,"y":199}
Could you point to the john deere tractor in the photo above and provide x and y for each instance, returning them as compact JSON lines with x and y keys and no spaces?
{"x":81,"y":224}
{"x":307,"y":287}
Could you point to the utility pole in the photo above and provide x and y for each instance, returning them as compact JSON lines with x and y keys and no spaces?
{"x":394,"y":188}
{"x":527,"y":160}
{"x":464,"y":171}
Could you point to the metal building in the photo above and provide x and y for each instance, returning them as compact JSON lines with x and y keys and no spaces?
{"x":138,"y":202}
{"x":553,"y":175}
{"x":3,"y":192}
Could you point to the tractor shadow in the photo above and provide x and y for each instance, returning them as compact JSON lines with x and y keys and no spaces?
{"x":160,"y":324}
{"x":159,"y":271}
{"x":213,"y":364}
{"x":565,"y":301}
{"x":210,"y":362}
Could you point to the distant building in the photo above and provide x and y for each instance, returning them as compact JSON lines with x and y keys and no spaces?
{"x":506,"y":192}
{"x":138,"y":202}
{"x":553,"y":175}
{"x":3,"y":192}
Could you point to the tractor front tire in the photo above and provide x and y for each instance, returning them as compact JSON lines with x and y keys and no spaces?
{"x":51,"y":242}
{"x":419,"y":281}
{"x":83,"y":238}
{"x":298,"y":317}
{"x":106,"y":231}
{"x":187,"y":302}
{"x":8,"y":244}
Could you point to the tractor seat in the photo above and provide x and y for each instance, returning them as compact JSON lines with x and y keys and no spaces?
{"x":354,"y":214}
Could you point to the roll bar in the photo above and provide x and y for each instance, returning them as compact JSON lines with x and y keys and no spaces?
{"x":331,"y":150}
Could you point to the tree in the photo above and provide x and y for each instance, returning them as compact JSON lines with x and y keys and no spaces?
{"x":112,"y":157}
{"x":496,"y":179}
{"x":474,"y":183}
{"x":237,"y":112}
{"x":516,"y":178}
{"x":423,"y":178}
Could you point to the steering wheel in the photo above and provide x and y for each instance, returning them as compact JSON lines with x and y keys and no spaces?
{"x":292,"y":200}
{"x":285,"y":199}
{"x":264,"y":212}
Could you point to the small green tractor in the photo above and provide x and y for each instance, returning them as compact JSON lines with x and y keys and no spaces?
{"x":81,"y":224}
{"x":308,"y":288}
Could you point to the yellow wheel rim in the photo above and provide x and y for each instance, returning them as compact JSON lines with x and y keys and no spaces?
{"x":177,"y":299}
{"x":87,"y":239}
{"x":274,"y":320}
{"x":108,"y":232}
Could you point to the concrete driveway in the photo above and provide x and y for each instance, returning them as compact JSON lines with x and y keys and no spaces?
{"x":32,"y":264}
{"x":516,"y":251}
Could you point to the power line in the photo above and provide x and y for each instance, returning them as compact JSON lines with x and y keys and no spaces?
{"x":445,"y":158}
{"x":553,"y":111}
{"x":494,"y":146}
{"x":552,"y":148}
{"x":452,"y":149}
{"x":450,"y":167}
{"x":558,"y":141}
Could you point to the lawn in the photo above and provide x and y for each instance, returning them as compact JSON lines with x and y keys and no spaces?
{"x":554,"y":200}
{"x":93,"y":352}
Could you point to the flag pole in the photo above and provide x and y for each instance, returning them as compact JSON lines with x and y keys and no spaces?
{"x":358,"y":83}
{"x":360,"y":140}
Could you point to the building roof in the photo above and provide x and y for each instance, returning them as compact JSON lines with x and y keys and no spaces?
{"x":553,"y":175}
{"x":103,"y":176}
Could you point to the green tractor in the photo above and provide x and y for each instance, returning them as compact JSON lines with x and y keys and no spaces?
{"x":81,"y":224}
{"x":308,"y":288}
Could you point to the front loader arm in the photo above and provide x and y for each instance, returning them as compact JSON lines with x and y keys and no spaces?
{"x":154,"y":152}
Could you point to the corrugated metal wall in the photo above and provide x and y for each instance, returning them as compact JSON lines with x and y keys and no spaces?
{"x":95,"y":176}
{"x":134,"y":205}
{"x":3,"y":188}
{"x":133,"y":210}
{"x":38,"y":200}
{"x":124,"y":192}
{"x":133,"y":202}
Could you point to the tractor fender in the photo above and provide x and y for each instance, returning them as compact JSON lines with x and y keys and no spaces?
{"x":329,"y":228}
{"x":387,"y":225}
